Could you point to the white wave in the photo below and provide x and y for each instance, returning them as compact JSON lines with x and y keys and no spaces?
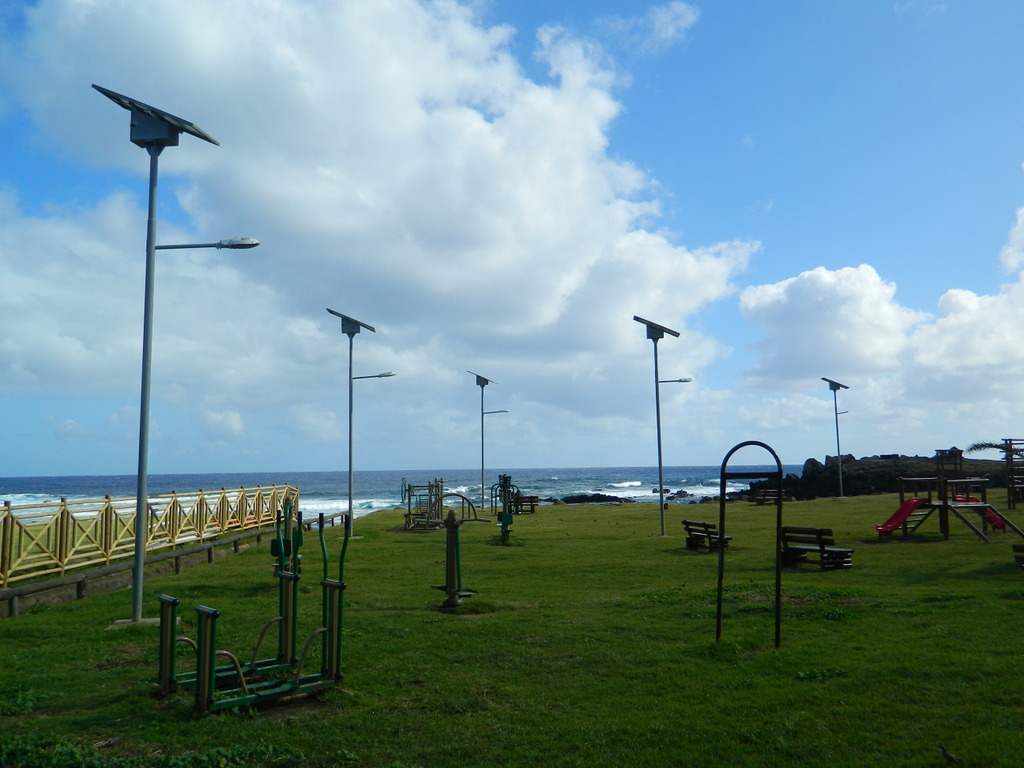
{"x":626,"y":484}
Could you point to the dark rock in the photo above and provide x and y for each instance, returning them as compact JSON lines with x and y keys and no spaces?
{"x":594,"y":498}
{"x":871,"y":475}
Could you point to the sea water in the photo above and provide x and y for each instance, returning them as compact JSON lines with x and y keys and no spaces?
{"x":327,"y":492}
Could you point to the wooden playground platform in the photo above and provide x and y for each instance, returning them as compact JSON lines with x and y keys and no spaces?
{"x":965,"y":499}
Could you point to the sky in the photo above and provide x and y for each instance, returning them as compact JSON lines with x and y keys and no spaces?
{"x":800,"y":189}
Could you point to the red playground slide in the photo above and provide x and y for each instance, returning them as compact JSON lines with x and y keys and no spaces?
{"x":907,"y":508}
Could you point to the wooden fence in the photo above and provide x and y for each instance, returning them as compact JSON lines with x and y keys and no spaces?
{"x":43,"y":540}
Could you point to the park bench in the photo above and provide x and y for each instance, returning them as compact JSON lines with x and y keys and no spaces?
{"x":704,"y":536}
{"x":520,"y":503}
{"x":766,"y":496}
{"x":814,"y":545}
{"x":1018,"y":554}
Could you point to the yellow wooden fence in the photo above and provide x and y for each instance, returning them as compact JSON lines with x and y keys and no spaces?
{"x":50,"y":539}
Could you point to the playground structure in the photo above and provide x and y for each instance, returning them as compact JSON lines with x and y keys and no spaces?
{"x":948,"y":493}
{"x":423,"y":504}
{"x":1014,"y":471}
{"x":259,"y":681}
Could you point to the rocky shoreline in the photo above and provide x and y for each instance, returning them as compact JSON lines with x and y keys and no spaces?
{"x":864,"y":476}
{"x":875,"y":474}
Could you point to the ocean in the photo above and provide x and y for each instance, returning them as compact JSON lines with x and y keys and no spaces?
{"x":327,"y":492}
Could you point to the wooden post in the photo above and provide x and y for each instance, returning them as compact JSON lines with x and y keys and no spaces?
{"x":6,"y":543}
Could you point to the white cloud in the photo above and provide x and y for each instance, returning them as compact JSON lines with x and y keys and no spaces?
{"x":313,"y":424}
{"x":1012,"y":254}
{"x":660,"y":27}
{"x":914,"y":378}
{"x":224,"y":424}
{"x":400,"y":166}
{"x":839,"y":323}
{"x":69,"y":429}
{"x":396,"y":164}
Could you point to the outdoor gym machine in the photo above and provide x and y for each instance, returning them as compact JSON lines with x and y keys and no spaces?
{"x":259,"y":681}
{"x":452,"y":586}
{"x":504,"y":493}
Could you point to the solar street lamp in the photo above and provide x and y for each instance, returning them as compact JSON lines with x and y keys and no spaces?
{"x":656,"y":332}
{"x":152,"y":129}
{"x":835,"y":386}
{"x":350,"y":327}
{"x":483,"y":382}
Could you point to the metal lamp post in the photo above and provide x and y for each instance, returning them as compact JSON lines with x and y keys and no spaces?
{"x":835,"y":386}
{"x":654,"y":333}
{"x":152,"y":129}
{"x":483,"y":382}
{"x":350,"y":327}
{"x":661,"y":484}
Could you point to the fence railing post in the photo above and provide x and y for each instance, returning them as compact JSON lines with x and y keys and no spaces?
{"x":107,"y":532}
{"x":63,"y":533}
{"x":6,"y":542}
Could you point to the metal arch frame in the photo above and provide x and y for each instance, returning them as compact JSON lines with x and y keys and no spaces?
{"x":777,"y":475}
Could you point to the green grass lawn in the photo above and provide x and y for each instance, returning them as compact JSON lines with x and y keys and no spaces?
{"x":591,"y":643}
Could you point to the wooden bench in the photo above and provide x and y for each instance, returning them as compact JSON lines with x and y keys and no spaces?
{"x":1018,"y":554}
{"x":704,"y":536}
{"x":520,"y":503}
{"x":814,"y":545}
{"x":766,"y":496}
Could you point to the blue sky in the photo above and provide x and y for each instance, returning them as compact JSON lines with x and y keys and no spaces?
{"x":802,"y":189}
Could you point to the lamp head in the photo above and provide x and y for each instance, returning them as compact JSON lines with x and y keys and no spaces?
{"x":238,"y":243}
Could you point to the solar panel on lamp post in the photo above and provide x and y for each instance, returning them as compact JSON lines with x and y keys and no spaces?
{"x":835,"y":386}
{"x":152,"y":129}
{"x":655,"y":332}
{"x":350,"y":327}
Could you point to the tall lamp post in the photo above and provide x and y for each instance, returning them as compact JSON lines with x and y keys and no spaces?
{"x":350,"y":327}
{"x":835,"y":386}
{"x":656,"y":332}
{"x":483,"y":382}
{"x":152,"y":129}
